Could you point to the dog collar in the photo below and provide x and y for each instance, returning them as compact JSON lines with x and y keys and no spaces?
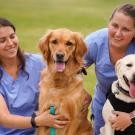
{"x":125,"y":92}
{"x":82,"y":70}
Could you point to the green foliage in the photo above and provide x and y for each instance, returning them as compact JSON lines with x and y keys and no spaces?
{"x":34,"y":17}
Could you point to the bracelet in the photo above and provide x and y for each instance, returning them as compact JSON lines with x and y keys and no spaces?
{"x":132,"y":117}
{"x":33,"y":123}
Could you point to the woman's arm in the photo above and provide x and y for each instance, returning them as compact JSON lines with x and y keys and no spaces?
{"x":12,"y":121}
{"x":9,"y":120}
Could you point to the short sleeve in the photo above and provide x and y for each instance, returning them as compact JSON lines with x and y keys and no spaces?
{"x":96,"y":42}
{"x":37,"y":62}
{"x":40,"y":61}
{"x":90,"y":56}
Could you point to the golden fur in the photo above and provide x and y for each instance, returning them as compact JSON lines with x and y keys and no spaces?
{"x":60,"y":84}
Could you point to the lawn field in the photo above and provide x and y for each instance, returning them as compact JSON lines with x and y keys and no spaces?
{"x":34,"y":17}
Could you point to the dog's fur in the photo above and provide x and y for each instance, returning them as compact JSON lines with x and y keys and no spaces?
{"x":60,"y":85}
{"x":125,"y":70}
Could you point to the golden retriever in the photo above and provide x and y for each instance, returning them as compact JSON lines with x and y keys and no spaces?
{"x":60,"y":84}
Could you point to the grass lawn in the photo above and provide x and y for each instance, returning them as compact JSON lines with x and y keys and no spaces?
{"x":34,"y":17}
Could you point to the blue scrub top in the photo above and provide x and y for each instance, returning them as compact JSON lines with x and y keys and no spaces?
{"x":21,"y":95}
{"x":98,"y":54}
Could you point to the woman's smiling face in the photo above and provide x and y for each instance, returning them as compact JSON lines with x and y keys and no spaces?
{"x":8,"y":43}
{"x":121,"y":30}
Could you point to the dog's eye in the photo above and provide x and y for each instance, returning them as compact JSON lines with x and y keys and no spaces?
{"x":129,"y":65}
{"x":54,"y":41}
{"x":68,"y":43}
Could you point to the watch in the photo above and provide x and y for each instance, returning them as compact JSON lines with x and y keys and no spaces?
{"x":132,"y":117}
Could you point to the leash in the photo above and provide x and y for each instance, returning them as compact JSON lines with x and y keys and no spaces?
{"x":52,"y":129}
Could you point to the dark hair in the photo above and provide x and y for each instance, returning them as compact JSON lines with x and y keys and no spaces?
{"x":3,"y":23}
{"x":127,"y":9}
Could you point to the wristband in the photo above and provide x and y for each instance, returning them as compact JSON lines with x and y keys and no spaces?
{"x":33,"y":123}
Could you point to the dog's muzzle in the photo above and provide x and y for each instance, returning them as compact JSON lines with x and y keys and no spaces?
{"x":59,"y":62}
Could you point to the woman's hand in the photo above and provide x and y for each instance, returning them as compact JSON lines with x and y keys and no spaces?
{"x":46,"y":119}
{"x":121,"y":121}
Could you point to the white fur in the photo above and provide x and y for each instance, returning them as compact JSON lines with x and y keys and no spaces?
{"x":122,"y":68}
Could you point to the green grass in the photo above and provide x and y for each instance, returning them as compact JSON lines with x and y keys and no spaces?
{"x":34,"y":17}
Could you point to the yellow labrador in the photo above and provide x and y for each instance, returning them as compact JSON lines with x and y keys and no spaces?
{"x":123,"y":95}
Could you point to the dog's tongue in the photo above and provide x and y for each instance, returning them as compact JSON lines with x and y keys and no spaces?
{"x":132,"y":89}
{"x":59,"y":67}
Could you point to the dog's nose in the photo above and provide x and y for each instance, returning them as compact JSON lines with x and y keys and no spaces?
{"x":60,"y":56}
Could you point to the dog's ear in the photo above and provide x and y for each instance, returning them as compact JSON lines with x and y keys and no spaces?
{"x":80,"y":47}
{"x":44,"y":45}
{"x":117,"y":66}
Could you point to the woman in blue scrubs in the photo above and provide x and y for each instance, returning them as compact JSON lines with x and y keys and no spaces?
{"x":19,"y":78}
{"x":105,"y":47}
